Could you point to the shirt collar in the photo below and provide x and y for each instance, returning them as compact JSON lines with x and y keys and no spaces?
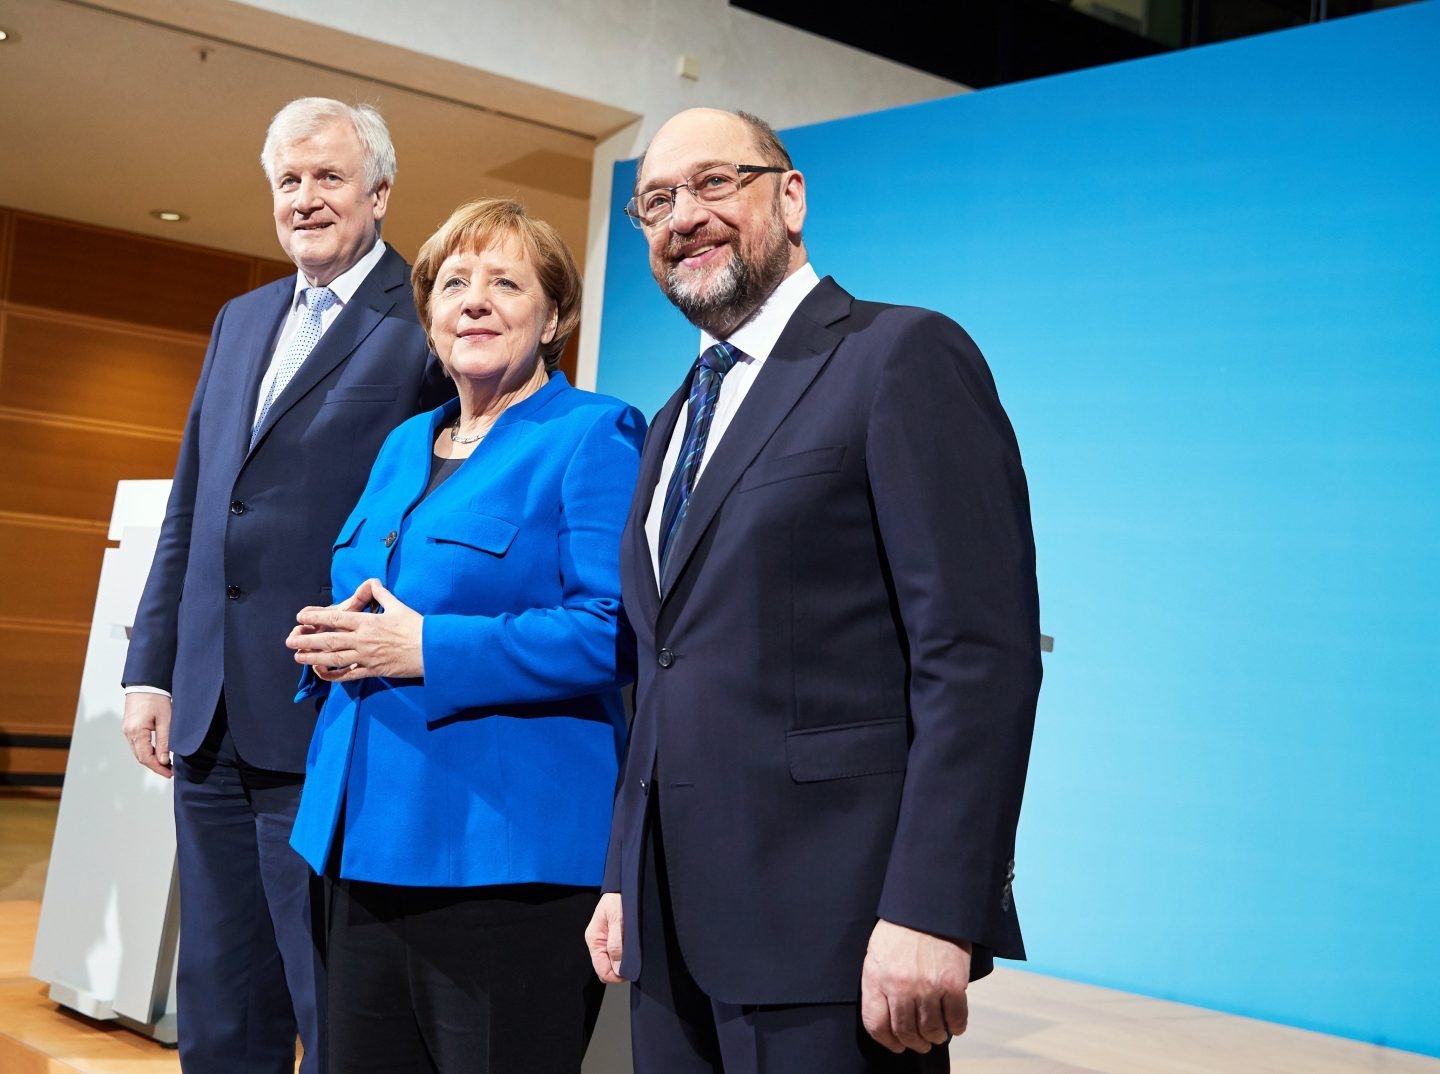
{"x":757,"y":336}
{"x":348,"y":282}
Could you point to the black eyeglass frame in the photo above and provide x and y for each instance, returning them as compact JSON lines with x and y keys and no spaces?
{"x":632,"y":206}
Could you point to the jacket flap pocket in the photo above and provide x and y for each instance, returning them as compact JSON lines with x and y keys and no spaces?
{"x":824,"y":460}
{"x":348,"y":531}
{"x":362,"y":393}
{"x":852,"y":749}
{"x":483,"y":532}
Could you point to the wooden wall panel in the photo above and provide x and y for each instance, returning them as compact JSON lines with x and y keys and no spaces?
{"x":50,"y":570}
{"x":79,"y":269}
{"x":265,"y":271}
{"x":102,"y":335}
{"x":56,"y":469}
{"x":7,"y":219}
{"x":40,"y":676}
{"x":34,"y":761}
{"x":109,"y":373}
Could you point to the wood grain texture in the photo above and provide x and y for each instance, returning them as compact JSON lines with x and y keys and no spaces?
{"x":54,"y":469}
{"x":70,"y":554}
{"x":87,"y":368}
{"x":263,"y":271}
{"x":40,"y":665}
{"x":7,"y":220}
{"x":77,"y":268}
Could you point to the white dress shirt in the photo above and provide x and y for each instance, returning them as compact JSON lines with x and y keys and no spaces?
{"x":756,"y":338}
{"x":344,"y":285}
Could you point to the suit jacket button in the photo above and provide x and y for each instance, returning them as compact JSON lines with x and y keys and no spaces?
{"x":665,"y":658}
{"x":237,"y":507}
{"x":644,"y":787}
{"x":232,"y":592}
{"x":390,"y":538}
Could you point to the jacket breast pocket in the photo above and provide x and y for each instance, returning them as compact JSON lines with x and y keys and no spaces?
{"x":348,"y":532}
{"x":469,"y":529}
{"x":362,"y":393}
{"x":846,"y":750}
{"x":824,"y":460}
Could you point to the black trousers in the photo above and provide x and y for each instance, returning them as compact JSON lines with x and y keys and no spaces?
{"x":677,"y":1028}
{"x":489,"y":980}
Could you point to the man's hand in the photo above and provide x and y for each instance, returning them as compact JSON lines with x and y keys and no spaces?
{"x":605,"y":938}
{"x":346,"y":641}
{"x":912,"y":989}
{"x":146,"y":727}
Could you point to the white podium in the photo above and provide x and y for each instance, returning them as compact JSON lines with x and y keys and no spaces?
{"x":108,"y":919}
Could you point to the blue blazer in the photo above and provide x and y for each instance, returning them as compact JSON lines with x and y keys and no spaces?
{"x":247,"y":531}
{"x":499,"y":766}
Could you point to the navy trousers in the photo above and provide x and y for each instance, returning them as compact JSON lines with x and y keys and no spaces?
{"x":677,"y":1028}
{"x":250,"y":974}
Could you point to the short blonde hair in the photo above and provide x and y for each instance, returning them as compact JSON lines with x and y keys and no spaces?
{"x":485,"y":221}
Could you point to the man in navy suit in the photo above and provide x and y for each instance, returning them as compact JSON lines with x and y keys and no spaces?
{"x":302,"y":381}
{"x":833,"y":592}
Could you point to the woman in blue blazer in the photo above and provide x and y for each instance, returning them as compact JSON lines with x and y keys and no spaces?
{"x":458,"y":788}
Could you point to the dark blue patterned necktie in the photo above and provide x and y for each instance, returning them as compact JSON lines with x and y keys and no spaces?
{"x":704,"y":390}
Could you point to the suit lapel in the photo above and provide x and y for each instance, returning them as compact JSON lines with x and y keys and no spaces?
{"x":657,"y":439}
{"x":800,"y":353}
{"x":265,"y":332}
{"x":372,"y":301}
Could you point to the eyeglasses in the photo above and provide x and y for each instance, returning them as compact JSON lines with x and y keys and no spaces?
{"x":720,"y":183}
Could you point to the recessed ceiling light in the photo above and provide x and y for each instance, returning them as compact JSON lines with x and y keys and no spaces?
{"x":170,"y":216}
{"x":4,"y":35}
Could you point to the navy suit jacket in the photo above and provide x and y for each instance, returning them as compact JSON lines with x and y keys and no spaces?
{"x":836,"y":694}
{"x":247,"y":532}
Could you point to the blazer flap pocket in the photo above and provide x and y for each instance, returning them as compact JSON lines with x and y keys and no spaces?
{"x":348,"y":531}
{"x":362,"y":393}
{"x":824,"y":460}
{"x":851,"y":749}
{"x":474,"y":530}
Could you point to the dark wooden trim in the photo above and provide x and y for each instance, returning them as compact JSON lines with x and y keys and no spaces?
{"x":6,"y":230}
{"x":31,"y":779}
{"x":23,"y":740}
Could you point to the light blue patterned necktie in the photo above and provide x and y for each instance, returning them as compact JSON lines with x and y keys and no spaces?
{"x":704,"y":391}
{"x":317,"y":301}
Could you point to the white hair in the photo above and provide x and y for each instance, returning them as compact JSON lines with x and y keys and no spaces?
{"x":305,"y":116}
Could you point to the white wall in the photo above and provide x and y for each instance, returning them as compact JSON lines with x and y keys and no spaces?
{"x":623,"y":53}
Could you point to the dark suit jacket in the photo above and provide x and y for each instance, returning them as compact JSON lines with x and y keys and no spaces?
{"x":837,"y":692}
{"x":247,"y":533}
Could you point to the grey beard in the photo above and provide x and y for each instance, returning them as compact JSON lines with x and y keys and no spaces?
{"x":733,"y":297}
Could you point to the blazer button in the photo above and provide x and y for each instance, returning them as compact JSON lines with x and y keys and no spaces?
{"x":232,"y":592}
{"x":665,"y":658}
{"x":237,"y":507}
{"x":644,"y":787}
{"x":390,"y":538}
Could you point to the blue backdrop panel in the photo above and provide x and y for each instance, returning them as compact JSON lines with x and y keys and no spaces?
{"x":1209,"y":288}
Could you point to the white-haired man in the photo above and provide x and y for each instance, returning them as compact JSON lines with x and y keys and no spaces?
{"x":301,"y":383}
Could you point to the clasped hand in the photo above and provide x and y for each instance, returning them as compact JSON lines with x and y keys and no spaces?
{"x":348,"y":640}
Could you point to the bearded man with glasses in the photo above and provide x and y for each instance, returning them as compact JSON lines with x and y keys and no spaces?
{"x":830,"y":571}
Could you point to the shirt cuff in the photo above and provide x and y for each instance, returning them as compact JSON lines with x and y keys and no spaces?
{"x":141,"y":688}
